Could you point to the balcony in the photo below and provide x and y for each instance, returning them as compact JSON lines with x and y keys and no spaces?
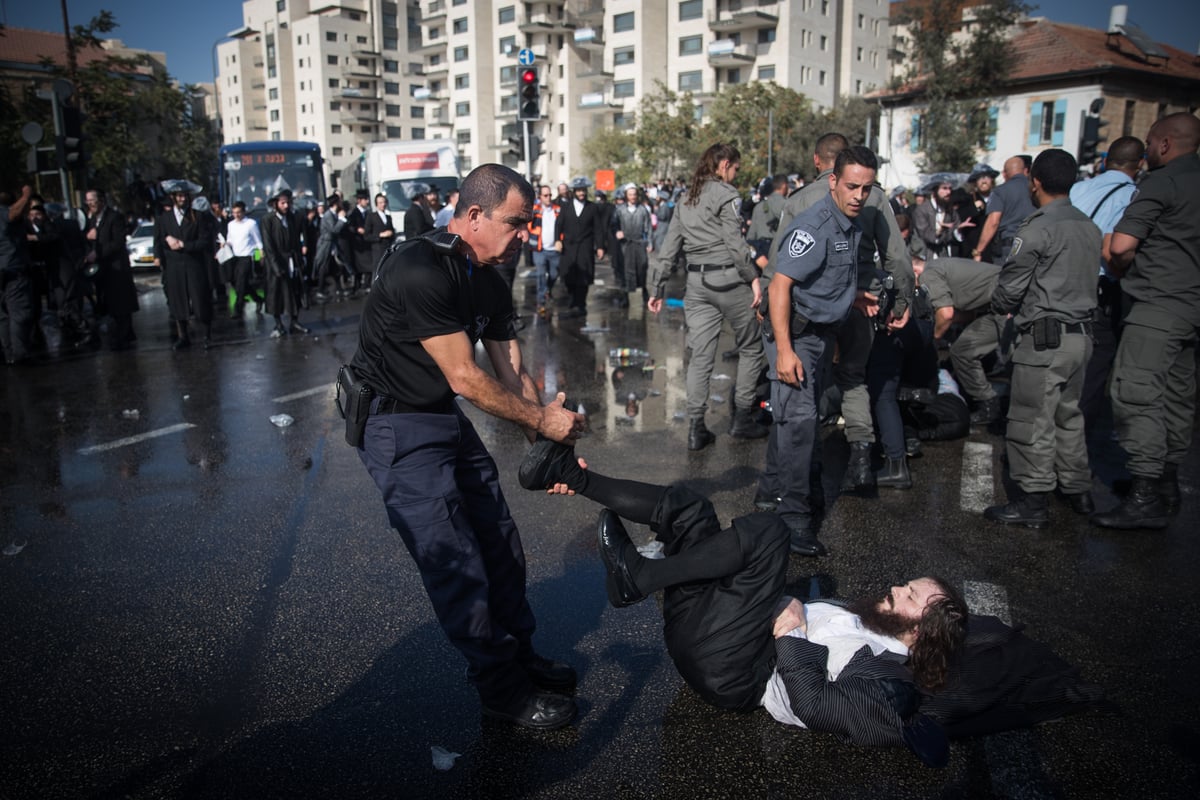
{"x":546,"y":23}
{"x":436,"y":10}
{"x":355,"y":71}
{"x":425,"y":93}
{"x":596,"y":101}
{"x":589,"y":39}
{"x":412,"y":69}
{"x":746,"y":20}
{"x":592,"y":12}
{"x":724,"y":53}
{"x":355,"y":93}
{"x":437,"y":71}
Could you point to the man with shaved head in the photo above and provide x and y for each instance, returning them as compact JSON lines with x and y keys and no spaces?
{"x":1155,"y":250}
{"x":1007,"y":209}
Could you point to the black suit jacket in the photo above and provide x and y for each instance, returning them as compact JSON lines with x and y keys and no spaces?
{"x":357,"y":218}
{"x":582,"y":235}
{"x":198,"y":234}
{"x":280,"y":243}
{"x":418,"y":220}
{"x":374,"y":227}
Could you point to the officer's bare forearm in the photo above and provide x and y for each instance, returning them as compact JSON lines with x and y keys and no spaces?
{"x":990,"y":226}
{"x":942,"y":318}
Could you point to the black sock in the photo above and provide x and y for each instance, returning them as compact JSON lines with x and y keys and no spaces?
{"x":631,"y":500}
{"x":716,"y":557}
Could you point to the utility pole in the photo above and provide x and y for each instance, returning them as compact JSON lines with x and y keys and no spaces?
{"x":71,"y":65}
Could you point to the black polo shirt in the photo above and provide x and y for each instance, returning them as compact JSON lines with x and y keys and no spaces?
{"x":418,"y":294}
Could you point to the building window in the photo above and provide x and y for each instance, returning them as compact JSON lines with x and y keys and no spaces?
{"x":462,"y":81}
{"x":460,"y":25}
{"x":335,"y":105}
{"x":461,"y":53}
{"x":435,"y":59}
{"x":435,"y":33}
{"x":821,"y":78}
{"x":824,"y":43}
{"x":335,"y":128}
{"x":389,"y":20}
{"x":914,"y":134}
{"x":858,"y":87}
{"x":691,"y":45}
{"x":337,"y":151}
{"x":766,"y":35}
{"x":331,"y":36}
{"x":393,"y":132}
{"x":766,"y":73}
{"x":508,"y":104}
{"x":858,"y":54}
{"x":390,"y":43}
{"x":463,"y":137}
{"x":506,"y":15}
{"x":281,"y":6}
{"x":734,"y":76}
{"x":417,"y":112}
{"x":691,"y":81}
{"x":391,"y":87}
{"x":1046,"y":123}
{"x":360,"y":39}
{"x":623,"y":89}
{"x":620,"y":121}
{"x":825,"y":8}
{"x":391,"y":66}
{"x":691,"y":9}
{"x":418,"y":133}
{"x":391,"y":109}
{"x":862,"y":22}
{"x":462,"y":109}
{"x":508,"y":45}
{"x":622,"y":55}
{"x":333,"y":83}
{"x":273,"y":93}
{"x":274,"y":115}
{"x":508,"y":75}
{"x":623,"y":22}
{"x":330,"y":60}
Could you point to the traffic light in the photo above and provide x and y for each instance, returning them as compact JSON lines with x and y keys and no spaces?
{"x":529,"y":100}
{"x":1089,"y":139}
{"x":535,"y":147}
{"x":516,"y":142}
{"x":69,"y":145}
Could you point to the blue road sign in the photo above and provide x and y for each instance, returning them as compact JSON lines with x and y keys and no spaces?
{"x":525,"y":57}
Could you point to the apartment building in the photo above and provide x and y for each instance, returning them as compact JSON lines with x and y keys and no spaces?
{"x":345,"y":73}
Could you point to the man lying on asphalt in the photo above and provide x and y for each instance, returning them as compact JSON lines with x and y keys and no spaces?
{"x":908,"y":667}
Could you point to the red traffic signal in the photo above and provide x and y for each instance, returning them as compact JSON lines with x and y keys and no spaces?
{"x":528,"y":76}
{"x":529,"y":96}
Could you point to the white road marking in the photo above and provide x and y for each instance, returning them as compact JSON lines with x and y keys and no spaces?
{"x":326,"y":388}
{"x":141,"y":437}
{"x":977,"y":492}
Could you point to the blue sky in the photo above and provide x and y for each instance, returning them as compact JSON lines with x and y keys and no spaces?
{"x":186,"y":31}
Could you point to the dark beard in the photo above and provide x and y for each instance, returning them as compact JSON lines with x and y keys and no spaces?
{"x":881,"y":621}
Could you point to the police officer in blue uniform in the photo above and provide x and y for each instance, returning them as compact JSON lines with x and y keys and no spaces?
{"x":816,"y":274}
{"x":433,"y":299}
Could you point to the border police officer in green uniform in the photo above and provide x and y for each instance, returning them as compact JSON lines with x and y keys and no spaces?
{"x":1154,"y":379}
{"x":1048,"y":284}
{"x":722,"y":284}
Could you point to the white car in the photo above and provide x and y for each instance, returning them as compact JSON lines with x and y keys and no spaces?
{"x":140,"y":245}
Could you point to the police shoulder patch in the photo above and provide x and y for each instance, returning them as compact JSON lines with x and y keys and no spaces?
{"x":800,"y":243}
{"x":1016,"y":247}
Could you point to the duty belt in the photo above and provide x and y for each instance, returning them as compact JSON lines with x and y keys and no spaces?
{"x":1077,"y":327}
{"x":383,"y":404}
{"x":708,"y":267}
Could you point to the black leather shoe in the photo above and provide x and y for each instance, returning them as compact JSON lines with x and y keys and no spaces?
{"x":987,"y":412}
{"x":699,"y":436}
{"x":859,"y":474}
{"x":1029,"y":510}
{"x":894,"y":475}
{"x":538,"y":710}
{"x":611,"y":540}
{"x":1142,"y":508}
{"x":550,"y":676}
{"x":1081,"y":503}
{"x":803,"y":542}
{"x":546,"y":464}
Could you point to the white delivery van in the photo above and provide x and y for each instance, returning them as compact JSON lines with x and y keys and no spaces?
{"x":394,"y":168}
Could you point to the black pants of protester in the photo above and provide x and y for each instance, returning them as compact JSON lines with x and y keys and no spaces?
{"x":719,"y":610}
{"x":16,"y":314}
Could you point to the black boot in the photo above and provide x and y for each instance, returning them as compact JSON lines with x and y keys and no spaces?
{"x":803,"y":541}
{"x":988,"y":411}
{"x":699,"y":436}
{"x":1081,"y":502}
{"x":1029,"y":509}
{"x":895,"y":474}
{"x":1142,"y":508}
{"x":1168,"y":488}
{"x":745,"y":426}
{"x":858,"y":469}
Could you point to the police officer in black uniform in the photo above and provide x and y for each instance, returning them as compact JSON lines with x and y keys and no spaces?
{"x":811,"y":294}
{"x":433,"y":299}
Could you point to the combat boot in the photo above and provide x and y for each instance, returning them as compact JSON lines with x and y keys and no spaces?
{"x":1030,"y":509}
{"x":1142,"y":508}
{"x":858,"y":469}
{"x":699,"y":436}
{"x":987,"y":412}
{"x":1168,"y":489}
{"x":745,"y":426}
{"x":894,"y":475}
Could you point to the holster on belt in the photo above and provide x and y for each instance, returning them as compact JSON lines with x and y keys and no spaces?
{"x":353,"y":404}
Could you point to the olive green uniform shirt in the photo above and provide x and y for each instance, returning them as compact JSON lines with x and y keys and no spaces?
{"x":708,"y":233}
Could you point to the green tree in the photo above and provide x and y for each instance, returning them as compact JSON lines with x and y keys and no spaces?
{"x":613,"y":149}
{"x":957,"y":69}
{"x":667,"y":134}
{"x":758,"y":116}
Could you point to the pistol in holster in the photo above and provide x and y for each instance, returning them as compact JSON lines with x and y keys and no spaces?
{"x":353,"y":404}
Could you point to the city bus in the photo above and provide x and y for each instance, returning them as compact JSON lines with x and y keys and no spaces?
{"x":255,"y":171}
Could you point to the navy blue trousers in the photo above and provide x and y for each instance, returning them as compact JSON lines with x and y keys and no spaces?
{"x":442,"y":493}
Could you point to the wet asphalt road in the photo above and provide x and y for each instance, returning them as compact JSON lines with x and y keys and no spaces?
{"x":221,"y":610}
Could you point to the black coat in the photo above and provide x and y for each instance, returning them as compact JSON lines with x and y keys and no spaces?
{"x":582,"y":235}
{"x":418,"y":221}
{"x":281,"y":245}
{"x":359,"y":245}
{"x":376,"y":226}
{"x":114,"y":281}
{"x":185,"y":272}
